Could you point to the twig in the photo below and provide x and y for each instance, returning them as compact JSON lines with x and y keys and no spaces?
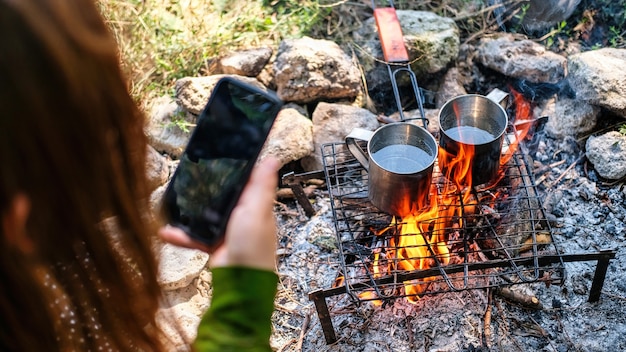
{"x":303,"y":330}
{"x":566,"y":171}
{"x":608,"y":128}
{"x":409,"y":320}
{"x":613,"y":183}
{"x":562,"y":327}
{"x":614,"y":295}
{"x":487,"y":322}
{"x":285,"y":209}
{"x":546,"y":169}
{"x":541,"y":179}
{"x":490,"y":27}
{"x":543,"y":332}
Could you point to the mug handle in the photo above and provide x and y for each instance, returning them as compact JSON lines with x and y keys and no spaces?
{"x":357,"y":152}
{"x":499,"y":97}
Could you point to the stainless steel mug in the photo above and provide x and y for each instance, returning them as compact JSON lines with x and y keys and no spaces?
{"x":472,"y":129}
{"x":399,"y":160}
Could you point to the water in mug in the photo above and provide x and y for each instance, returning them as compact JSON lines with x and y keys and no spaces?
{"x":402,"y":158}
{"x":470,"y":135}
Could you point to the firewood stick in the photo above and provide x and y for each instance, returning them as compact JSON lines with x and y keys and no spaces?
{"x":525,"y":300}
{"x":287,"y":193}
{"x":487,"y":322}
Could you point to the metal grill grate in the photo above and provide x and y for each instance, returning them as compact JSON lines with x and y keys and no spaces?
{"x":489,"y":237}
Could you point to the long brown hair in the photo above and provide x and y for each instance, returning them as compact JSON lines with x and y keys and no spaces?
{"x":72,"y":141}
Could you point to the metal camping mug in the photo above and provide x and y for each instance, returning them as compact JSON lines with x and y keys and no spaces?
{"x":399,"y":162}
{"x":477,"y":124}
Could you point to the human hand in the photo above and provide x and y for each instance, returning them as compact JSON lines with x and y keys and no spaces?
{"x":251,"y":231}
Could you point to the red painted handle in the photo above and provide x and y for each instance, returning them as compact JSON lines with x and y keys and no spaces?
{"x":390,"y":34}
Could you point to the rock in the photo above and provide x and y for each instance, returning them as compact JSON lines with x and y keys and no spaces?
{"x":607,"y":153}
{"x":431,"y":40}
{"x":157,"y":169}
{"x":155,"y":199}
{"x":291,"y":137}
{"x":307,"y":70}
{"x":572,"y":117}
{"x":192,"y":93}
{"x":450,"y":88}
{"x":598,"y":77}
{"x":521,"y":58}
{"x":332,"y":123}
{"x":180,"y":327}
{"x":247,"y":63}
{"x":266,"y":76}
{"x":179,"y":266}
{"x":169,"y":126}
{"x":181,"y":311}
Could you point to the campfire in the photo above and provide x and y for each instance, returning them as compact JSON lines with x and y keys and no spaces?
{"x":469,"y":236}
{"x":456,"y":226}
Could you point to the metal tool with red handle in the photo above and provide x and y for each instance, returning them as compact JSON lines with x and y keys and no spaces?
{"x":395,"y":54}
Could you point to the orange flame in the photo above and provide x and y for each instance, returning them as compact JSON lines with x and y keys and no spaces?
{"x":523,"y":123}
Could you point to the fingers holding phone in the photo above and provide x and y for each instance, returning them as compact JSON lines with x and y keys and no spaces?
{"x":251,"y":231}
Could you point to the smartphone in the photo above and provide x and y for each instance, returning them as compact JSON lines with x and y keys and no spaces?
{"x":218,"y":159}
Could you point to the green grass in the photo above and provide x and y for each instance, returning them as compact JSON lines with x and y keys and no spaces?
{"x":163,"y":40}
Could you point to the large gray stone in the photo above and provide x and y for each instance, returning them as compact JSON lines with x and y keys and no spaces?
{"x":157,"y":169}
{"x":450,"y":88}
{"x":249,"y":62}
{"x":521,"y":58}
{"x":179,"y":266}
{"x":308,"y":70}
{"x":332,"y":123}
{"x":538,"y":14}
{"x":572,"y":117}
{"x":192,"y":93}
{"x":169,"y":126}
{"x":291,"y":137}
{"x":599,"y":77}
{"x":607,"y":153}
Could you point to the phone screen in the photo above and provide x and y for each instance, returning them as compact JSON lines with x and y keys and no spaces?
{"x":219,"y":157}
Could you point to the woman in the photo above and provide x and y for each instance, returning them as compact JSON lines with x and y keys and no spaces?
{"x":77,"y":267}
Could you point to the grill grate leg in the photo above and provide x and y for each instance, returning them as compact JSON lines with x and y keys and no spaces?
{"x":599,"y":276}
{"x":318,"y":297}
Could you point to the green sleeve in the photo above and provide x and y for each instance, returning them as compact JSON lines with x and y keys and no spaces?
{"x":239,"y":317}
